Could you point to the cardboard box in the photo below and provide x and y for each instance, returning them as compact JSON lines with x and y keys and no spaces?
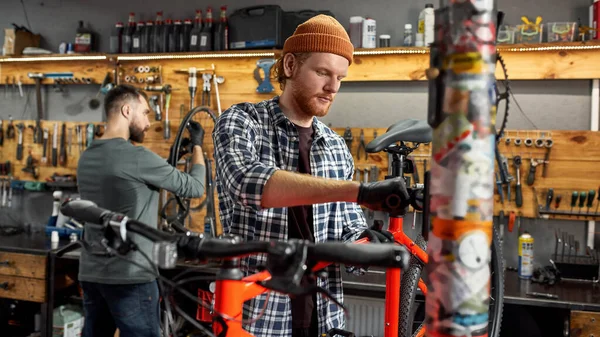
{"x":17,"y":40}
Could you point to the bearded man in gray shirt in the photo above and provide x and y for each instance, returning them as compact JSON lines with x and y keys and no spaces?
{"x":122,"y":177}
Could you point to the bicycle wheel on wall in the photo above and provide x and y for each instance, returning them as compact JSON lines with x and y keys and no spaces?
{"x":409,"y":286}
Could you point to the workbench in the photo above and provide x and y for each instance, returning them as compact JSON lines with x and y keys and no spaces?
{"x":28,"y":271}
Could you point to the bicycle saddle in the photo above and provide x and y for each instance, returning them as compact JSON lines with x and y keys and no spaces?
{"x":408,"y":130}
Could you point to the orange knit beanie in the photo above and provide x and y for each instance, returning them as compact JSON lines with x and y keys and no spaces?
{"x":321,"y":33}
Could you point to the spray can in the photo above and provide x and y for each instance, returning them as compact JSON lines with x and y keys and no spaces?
{"x":525,"y":255}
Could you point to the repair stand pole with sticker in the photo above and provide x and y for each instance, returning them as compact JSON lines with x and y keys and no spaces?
{"x":461,"y":102}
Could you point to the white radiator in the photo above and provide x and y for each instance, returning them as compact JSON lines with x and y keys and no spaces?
{"x":366,"y":315}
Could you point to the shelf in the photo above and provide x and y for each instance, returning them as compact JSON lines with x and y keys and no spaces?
{"x":544,"y":61}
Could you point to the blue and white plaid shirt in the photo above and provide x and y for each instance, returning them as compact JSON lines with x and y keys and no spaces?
{"x":251,"y":142}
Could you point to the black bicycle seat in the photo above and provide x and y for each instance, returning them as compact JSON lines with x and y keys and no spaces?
{"x":408,"y":130}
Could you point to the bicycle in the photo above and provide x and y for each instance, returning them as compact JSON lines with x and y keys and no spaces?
{"x":401,"y":288}
{"x":286,"y":260}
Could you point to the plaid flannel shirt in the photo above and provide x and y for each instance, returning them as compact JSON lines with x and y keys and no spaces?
{"x":251,"y":142}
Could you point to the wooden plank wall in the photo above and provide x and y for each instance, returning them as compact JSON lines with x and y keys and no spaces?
{"x":573,"y":157}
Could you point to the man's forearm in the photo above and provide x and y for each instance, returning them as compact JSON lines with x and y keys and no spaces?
{"x":197,"y":156}
{"x":287,"y":189}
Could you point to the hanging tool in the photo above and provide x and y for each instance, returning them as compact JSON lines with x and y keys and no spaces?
{"x":79,"y":138}
{"x":564,"y":244}
{"x":518,"y":191}
{"x":557,"y":201}
{"x":361,"y":145}
{"x":590,"y":200}
{"x":582,"y":197}
{"x":598,"y":201}
{"x":507,"y":177}
{"x":501,"y":221}
{"x":70,"y":138}
{"x":546,"y":160}
{"x":264,"y":83}
{"x":192,"y":85}
{"x":89,"y":138}
{"x":30,"y":167}
{"x":218,"y":80}
{"x":20,"y":85}
{"x":571,"y":246}
{"x":20,"y":128}
{"x":574,"y":197}
{"x":10,"y":128}
{"x":62,"y":159}
{"x":37,"y":77}
{"x":45,"y":147}
{"x":500,"y":189}
{"x":512,"y":217}
{"x":167,"y":125}
{"x":55,"y":145}
{"x":549,"y":197}
{"x":154,"y":101}
{"x":532,"y":168}
{"x":348,"y":138}
{"x":206,"y":77}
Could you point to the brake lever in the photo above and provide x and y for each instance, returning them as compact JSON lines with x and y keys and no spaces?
{"x":416,"y":198}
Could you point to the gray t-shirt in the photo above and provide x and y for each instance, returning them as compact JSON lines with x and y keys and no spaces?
{"x":125,"y":178}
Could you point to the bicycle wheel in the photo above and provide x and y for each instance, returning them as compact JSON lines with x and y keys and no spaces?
{"x":408,"y":291}
{"x":409,"y":286}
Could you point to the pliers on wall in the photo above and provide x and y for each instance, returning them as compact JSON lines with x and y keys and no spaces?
{"x":362,"y":145}
{"x":206,"y":89}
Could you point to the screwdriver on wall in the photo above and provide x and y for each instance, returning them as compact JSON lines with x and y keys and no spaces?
{"x":574,"y":199}
{"x":582,"y":196}
{"x":549,"y":198}
{"x":590,"y":201}
{"x":598,"y":202}
{"x":557,"y":201}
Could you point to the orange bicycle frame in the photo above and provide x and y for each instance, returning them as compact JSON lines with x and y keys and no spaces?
{"x":230,"y":295}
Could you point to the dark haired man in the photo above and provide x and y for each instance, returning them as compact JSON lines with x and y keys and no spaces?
{"x":122,"y":177}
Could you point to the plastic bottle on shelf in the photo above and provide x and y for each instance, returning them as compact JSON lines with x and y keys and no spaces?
{"x":128,"y":33}
{"x":408,"y":35}
{"x":184,"y":41}
{"x":221,"y":36}
{"x":369,"y":33}
{"x":136,"y":38}
{"x":175,"y":36}
{"x":116,"y":38}
{"x":206,"y":34}
{"x":157,"y":34}
{"x":426,"y":25}
{"x":195,"y":33}
{"x":356,"y":26}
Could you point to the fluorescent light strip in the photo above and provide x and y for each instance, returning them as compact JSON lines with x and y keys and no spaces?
{"x":191,"y":56}
{"x":53,"y":58}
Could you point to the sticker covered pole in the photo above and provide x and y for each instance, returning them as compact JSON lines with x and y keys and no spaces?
{"x":461,"y":104}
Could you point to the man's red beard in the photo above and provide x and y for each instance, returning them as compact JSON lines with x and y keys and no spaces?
{"x":308,"y":103}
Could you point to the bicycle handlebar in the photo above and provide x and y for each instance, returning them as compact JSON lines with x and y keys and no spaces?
{"x":167,"y":246}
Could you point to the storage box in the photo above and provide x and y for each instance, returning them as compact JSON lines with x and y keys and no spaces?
{"x":17,"y":40}
{"x":531,"y":33}
{"x":561,"y":31}
{"x":256,"y":27}
{"x":506,"y":35}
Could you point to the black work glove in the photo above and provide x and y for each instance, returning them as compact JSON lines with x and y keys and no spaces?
{"x":388,"y":195}
{"x":183,"y":149}
{"x":196,"y":133}
{"x":376,"y":234}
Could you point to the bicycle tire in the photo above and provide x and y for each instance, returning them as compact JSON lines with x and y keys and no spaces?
{"x":409,"y":286}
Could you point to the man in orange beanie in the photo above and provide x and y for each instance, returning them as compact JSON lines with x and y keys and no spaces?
{"x":282,"y":174}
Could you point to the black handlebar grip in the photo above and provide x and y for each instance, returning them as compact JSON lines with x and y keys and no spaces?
{"x":370,"y":254}
{"x":83,"y":210}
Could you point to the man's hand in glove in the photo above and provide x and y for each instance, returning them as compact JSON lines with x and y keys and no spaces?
{"x":376,"y":235}
{"x":390,"y":196}
{"x":183,"y":149}
{"x":196,"y":133}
